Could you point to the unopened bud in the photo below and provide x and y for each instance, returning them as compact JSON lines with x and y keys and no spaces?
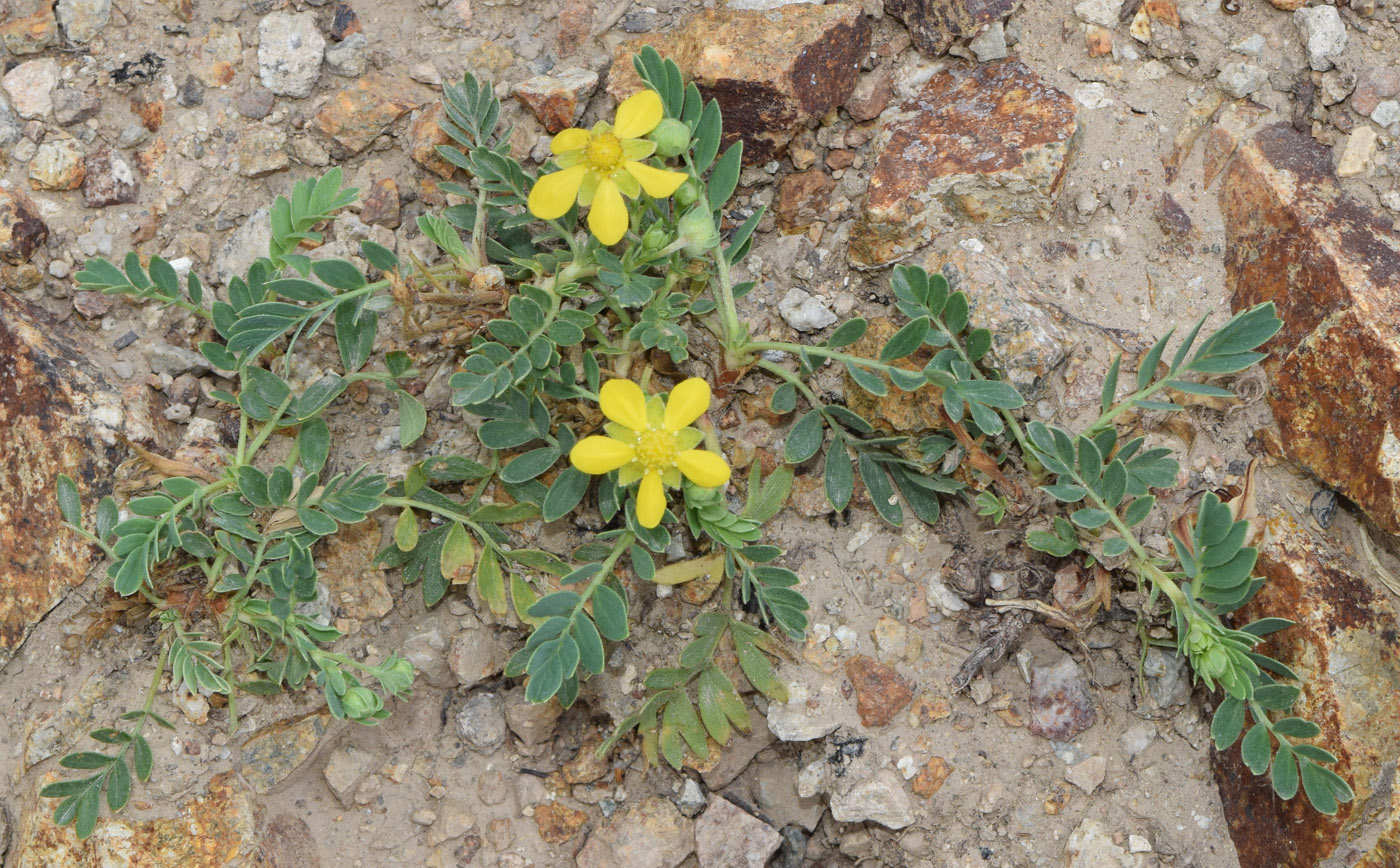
{"x":688,"y":193}
{"x":697,"y":230}
{"x":360,"y":702}
{"x":671,"y":136}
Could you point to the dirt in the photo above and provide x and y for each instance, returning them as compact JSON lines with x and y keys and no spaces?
{"x":1102,"y":261}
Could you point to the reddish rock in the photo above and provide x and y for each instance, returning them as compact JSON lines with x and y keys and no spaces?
{"x":1374,"y":85}
{"x":59,"y":416}
{"x":1061,"y":706}
{"x":287,"y":842}
{"x":108,"y":180}
{"x":558,"y":98}
{"x":1173,"y":219}
{"x":558,"y":823}
{"x":881,"y":693}
{"x":1098,"y":40}
{"x":935,"y":25}
{"x":344,"y":22}
{"x":21,"y":228}
{"x":988,"y":143}
{"x":575,"y":22}
{"x":353,"y":118}
{"x":380,"y":205}
{"x":930,"y":778}
{"x":1333,"y":268}
{"x":1346,"y":647}
{"x":33,"y":34}
{"x":802,"y":199}
{"x":870,"y":97}
{"x":147,"y":105}
{"x":425,"y":135}
{"x":771,"y":72}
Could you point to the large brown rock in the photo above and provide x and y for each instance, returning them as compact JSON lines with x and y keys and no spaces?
{"x":353,"y":118}
{"x":770,"y":71}
{"x":1333,"y":268}
{"x":649,"y":834}
{"x":935,"y":25}
{"x":989,"y":143}
{"x":58,"y":416}
{"x":1346,"y":648}
{"x":21,"y":228}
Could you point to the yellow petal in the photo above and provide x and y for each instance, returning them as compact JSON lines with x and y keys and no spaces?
{"x":638,"y":115}
{"x":651,"y":500}
{"x":623,"y":402}
{"x":572,"y":139}
{"x":659,"y":183}
{"x":687,"y":402}
{"x":598,"y":455}
{"x":607,"y":219}
{"x":705,"y":469}
{"x":553,"y":194}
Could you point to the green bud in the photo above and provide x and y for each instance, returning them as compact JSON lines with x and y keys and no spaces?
{"x":397,"y":676}
{"x":671,"y":136}
{"x":697,"y":230}
{"x":360,"y":702}
{"x":688,"y":193}
{"x":655,"y":238}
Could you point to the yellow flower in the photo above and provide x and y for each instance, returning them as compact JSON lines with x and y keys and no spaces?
{"x":649,"y":440}
{"x":600,"y":166}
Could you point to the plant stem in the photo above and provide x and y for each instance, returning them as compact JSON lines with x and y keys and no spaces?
{"x":603,"y":572}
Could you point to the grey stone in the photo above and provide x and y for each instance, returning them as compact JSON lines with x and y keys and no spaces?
{"x":482,"y":722}
{"x":350,"y":57}
{"x":256,"y":102}
{"x":1324,"y":34}
{"x":692,"y":799}
{"x":173,"y":360}
{"x":728,"y":837}
{"x":1239,"y":80}
{"x":343,"y":770}
{"x":1104,"y":13}
{"x":532,"y":722}
{"x":765,"y":5}
{"x":475,"y":655}
{"x":1091,"y":845}
{"x":811,"y":712}
{"x":81,"y":20}
{"x":775,"y":791}
{"x":10,"y":130}
{"x":1087,"y":774}
{"x":1252,"y":45}
{"x":290,"y":49}
{"x":30,"y":87}
{"x":1387,"y":113}
{"x":244,"y":246}
{"x":1168,"y":678}
{"x":990,"y":44}
{"x":803,"y":312}
{"x":882,"y":798}
{"x":427,"y":651}
{"x":71,"y":106}
{"x":1061,"y":706}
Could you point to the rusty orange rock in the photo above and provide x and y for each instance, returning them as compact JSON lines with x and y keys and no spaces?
{"x":425,"y":134}
{"x":558,"y":98}
{"x":930,"y":778}
{"x":802,"y":200}
{"x":22,"y":230}
{"x":558,"y":823}
{"x":986,"y":144}
{"x":880,"y":691}
{"x":58,"y":416}
{"x":1333,"y":268}
{"x":771,"y":72}
{"x":353,"y":118}
{"x":1346,"y":647}
{"x":934,"y":25}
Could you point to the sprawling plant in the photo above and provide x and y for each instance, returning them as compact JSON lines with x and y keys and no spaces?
{"x":570,"y":408}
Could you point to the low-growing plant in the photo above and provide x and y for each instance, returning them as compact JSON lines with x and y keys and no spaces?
{"x":596,"y":315}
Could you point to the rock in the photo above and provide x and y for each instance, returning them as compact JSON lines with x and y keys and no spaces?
{"x":344,"y":769}
{"x":1387,"y":113}
{"x":805,"y":313}
{"x":289,"y":53}
{"x":649,"y":834}
{"x":803,"y":198}
{"x":287,"y":842}
{"x":350,"y":57}
{"x":262,"y":151}
{"x":81,"y":20}
{"x":532,"y":722}
{"x":174,"y":361}
{"x":353,"y":118}
{"x":1028,"y":343}
{"x":1168,"y":678}
{"x":427,"y":651}
{"x":558,"y":99}
{"x":191,"y":93}
{"x":764,"y":5}
{"x":729,"y":837}
{"x":213,"y":830}
{"x":355,"y":584}
{"x":558,"y":823}
{"x":880,"y":798}
{"x":1091,"y":845}
{"x":60,"y":416}
{"x":380,"y":204}
{"x":30,"y":87}
{"x":255,"y":103}
{"x":930,"y":778}
{"x":10,"y":129}
{"x":1087,"y":774}
{"x":344,"y":22}
{"x":244,"y":245}
{"x":990,"y":44}
{"x":72,"y":106}
{"x":1333,"y":268}
{"x":1061,"y":706}
{"x":775,"y":793}
{"x":30,"y":35}
{"x":906,"y":412}
{"x":21,"y":228}
{"x":870,"y":96}
{"x":1324,"y":35}
{"x":476,"y":655}
{"x":881,"y":693}
{"x":1346,"y":649}
{"x":935,"y":25}
{"x":218,"y":56}
{"x":1373,"y":85}
{"x":482,"y":722}
{"x":425,"y":136}
{"x":1103,"y":13}
{"x":1239,"y":80}
{"x":737,"y":754}
{"x":270,"y":755}
{"x":985,"y":144}
{"x":771,"y":72}
{"x":692,"y":799}
{"x":811,"y":711}
{"x":1173,"y":219}
{"x":1252,"y":45}
{"x":78,"y":716}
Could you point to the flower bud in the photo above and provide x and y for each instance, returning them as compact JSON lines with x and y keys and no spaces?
{"x":397,"y":677}
{"x":671,"y":136}
{"x":688,"y":193}
{"x":360,"y":702}
{"x":654,"y":238}
{"x":697,"y":230}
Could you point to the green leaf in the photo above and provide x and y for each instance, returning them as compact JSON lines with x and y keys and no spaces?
{"x":1285,"y":773}
{"x":867,"y":380}
{"x":1115,"y":547}
{"x":590,"y":644}
{"x":906,"y":340}
{"x":877,"y":484}
{"x":88,"y":806}
{"x":530,"y":464}
{"x":557,"y":603}
{"x":1296,"y":727}
{"x":379,"y":256}
{"x":610,"y":611}
{"x":567,"y":491}
{"x":1276,"y":697}
{"x":413,"y":420}
{"x":804,"y":439}
{"x":1255,"y":748}
{"x":1318,"y":788}
{"x":1090,"y":518}
{"x":838,"y":476}
{"x":1228,"y":723}
{"x":70,"y":505}
{"x":725,"y":177}
{"x":118,"y":786}
{"x":1110,"y":385}
{"x":152,"y":505}
{"x":86,"y":760}
{"x":1066,"y":492}
{"x":992,"y":393}
{"x":783,"y":399}
{"x":355,"y":330}
{"x":141,"y":758}
{"x":490,"y":582}
{"x":314,"y":444}
{"x":1148,"y":368}
{"x":847,"y":333}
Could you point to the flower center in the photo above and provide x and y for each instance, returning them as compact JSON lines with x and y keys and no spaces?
{"x":604,"y":152}
{"x":656,"y":449}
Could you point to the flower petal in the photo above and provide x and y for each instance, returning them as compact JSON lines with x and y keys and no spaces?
{"x":687,"y":402}
{"x":588,"y":188}
{"x":637,"y":149}
{"x":659,"y":183}
{"x":630,"y":473}
{"x":623,"y":402}
{"x":638,"y":115}
{"x":553,"y":194}
{"x":570,"y":159}
{"x":705,"y":469}
{"x":626,"y":184}
{"x":572,"y":139}
{"x":607,"y":219}
{"x":651,"y":500}
{"x":597,"y":455}
{"x":688,"y":438}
